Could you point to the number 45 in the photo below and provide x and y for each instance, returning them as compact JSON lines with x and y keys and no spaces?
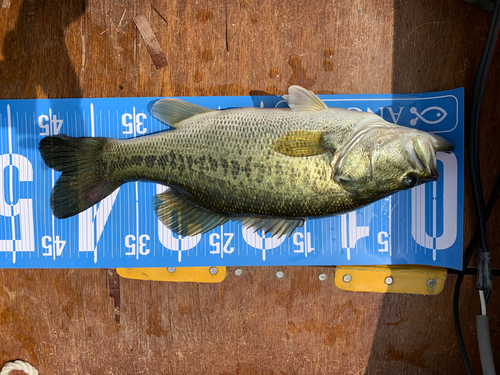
{"x":54,"y":248}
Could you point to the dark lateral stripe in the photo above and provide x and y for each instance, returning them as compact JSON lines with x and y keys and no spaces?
{"x":150,"y":160}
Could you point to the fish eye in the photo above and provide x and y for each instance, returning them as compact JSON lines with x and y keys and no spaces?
{"x":409,"y":181}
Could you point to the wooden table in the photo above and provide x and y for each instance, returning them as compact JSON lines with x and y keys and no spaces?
{"x":66,"y":322}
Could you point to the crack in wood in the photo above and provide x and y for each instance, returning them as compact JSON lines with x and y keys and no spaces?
{"x":161,"y":16}
{"x":227,"y":36}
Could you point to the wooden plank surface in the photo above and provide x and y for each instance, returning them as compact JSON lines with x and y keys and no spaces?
{"x":65,"y":321}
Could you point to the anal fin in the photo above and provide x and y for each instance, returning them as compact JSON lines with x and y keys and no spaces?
{"x":276,"y":226}
{"x":184,"y":217}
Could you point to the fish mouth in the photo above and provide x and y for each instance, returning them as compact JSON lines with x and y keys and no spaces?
{"x":425,"y":148}
{"x":441,"y":144}
{"x":424,"y":180}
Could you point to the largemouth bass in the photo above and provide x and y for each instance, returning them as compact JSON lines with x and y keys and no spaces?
{"x":271,"y":169}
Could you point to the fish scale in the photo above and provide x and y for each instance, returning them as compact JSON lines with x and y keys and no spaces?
{"x":269,"y":168}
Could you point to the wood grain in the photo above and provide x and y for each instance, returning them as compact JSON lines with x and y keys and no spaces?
{"x":66,"y":322}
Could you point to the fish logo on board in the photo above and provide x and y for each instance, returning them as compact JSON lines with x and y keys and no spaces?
{"x":438,"y":112}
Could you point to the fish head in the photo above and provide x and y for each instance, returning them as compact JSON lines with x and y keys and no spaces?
{"x":384,"y":158}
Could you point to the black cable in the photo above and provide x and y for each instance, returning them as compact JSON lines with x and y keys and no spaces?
{"x":495,"y":272}
{"x":477,"y":97}
{"x":484,"y":278}
{"x":484,"y":281}
{"x":465,"y":269}
{"x":483,"y":212}
{"x":456,"y":316}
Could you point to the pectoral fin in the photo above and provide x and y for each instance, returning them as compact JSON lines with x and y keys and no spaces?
{"x":172,"y":111}
{"x":184,"y":217}
{"x":276,"y":226}
{"x":302,"y":143}
{"x":300,"y":99}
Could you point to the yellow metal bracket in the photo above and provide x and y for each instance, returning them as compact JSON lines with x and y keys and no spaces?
{"x":391,"y":279}
{"x":176,"y":274}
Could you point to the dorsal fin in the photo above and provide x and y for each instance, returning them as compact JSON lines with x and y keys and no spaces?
{"x":171,"y":111}
{"x":300,"y":99}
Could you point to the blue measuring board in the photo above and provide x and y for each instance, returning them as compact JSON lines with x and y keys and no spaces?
{"x":419,"y":226}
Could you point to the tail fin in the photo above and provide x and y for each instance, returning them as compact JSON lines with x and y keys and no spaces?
{"x":83,"y":182}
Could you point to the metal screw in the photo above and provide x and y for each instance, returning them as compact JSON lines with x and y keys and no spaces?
{"x":238,"y":272}
{"x":171,"y":269}
{"x":431,"y":282}
{"x":213,"y":270}
{"x":280,"y":274}
{"x":322,"y":277}
{"x":346,"y":278}
{"x":389,"y":280}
